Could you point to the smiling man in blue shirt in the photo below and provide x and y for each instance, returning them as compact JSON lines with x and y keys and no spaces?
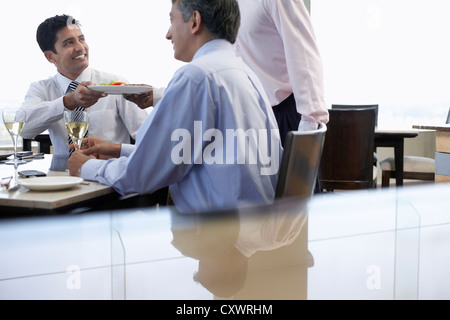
{"x":213,"y":138}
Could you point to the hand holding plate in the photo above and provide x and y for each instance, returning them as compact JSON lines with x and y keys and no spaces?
{"x":143,"y":100}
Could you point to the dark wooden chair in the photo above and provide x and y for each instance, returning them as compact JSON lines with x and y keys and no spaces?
{"x":44,"y":143}
{"x":362,"y":106}
{"x":347,"y":158}
{"x":300,"y":163}
{"x":358,"y":106}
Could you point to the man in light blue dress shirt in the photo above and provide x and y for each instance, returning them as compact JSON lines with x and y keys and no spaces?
{"x":212,"y":138}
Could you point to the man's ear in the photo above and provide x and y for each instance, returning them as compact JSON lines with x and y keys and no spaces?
{"x":196,"y":21}
{"x":50,"y":56}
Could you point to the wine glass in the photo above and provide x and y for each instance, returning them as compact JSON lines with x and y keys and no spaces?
{"x":14,"y":120}
{"x":77,"y":124}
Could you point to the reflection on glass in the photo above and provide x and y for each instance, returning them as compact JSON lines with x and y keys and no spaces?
{"x":407,"y":244}
{"x":224,"y":244}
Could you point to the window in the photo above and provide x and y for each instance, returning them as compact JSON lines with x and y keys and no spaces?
{"x":125,"y":37}
{"x":394,"y":53}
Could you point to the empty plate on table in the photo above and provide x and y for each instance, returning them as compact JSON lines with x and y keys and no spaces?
{"x":5,"y":154}
{"x":129,"y":89}
{"x":51,"y":183}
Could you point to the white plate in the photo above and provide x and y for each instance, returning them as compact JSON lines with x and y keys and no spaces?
{"x":51,"y":183}
{"x":121,"y":89}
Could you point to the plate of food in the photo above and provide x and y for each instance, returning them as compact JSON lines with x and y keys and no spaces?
{"x":51,"y":183}
{"x":121,"y":88}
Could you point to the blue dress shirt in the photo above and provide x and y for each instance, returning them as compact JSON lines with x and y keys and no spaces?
{"x":212,"y":138}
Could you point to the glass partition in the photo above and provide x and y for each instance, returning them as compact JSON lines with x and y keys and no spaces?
{"x":378,"y":245}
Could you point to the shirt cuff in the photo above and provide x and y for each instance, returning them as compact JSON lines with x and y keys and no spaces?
{"x":307,"y":125}
{"x":127,"y":149}
{"x":90,"y":168}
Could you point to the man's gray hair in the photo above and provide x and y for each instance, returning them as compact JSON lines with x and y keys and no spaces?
{"x":221,"y":18}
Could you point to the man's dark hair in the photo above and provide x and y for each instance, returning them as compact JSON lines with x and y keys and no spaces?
{"x":221,"y":18}
{"x":47,"y":30}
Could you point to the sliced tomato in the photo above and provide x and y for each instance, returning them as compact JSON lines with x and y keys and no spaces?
{"x":119,"y":84}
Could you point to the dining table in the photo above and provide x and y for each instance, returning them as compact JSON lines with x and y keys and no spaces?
{"x":60,"y":197}
{"x":442,"y":155}
{"x":395,"y":138}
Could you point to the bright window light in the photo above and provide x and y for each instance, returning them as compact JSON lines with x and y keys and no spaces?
{"x":125,"y":37}
{"x":394,"y":53}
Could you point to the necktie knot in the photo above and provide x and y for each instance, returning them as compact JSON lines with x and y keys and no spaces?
{"x":72,"y":86}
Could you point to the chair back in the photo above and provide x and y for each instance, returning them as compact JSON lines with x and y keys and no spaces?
{"x":347,"y":158}
{"x":359,"y":106}
{"x":300,"y":163}
{"x":44,"y":143}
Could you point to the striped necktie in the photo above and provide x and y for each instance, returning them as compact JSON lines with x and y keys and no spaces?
{"x":72,"y":87}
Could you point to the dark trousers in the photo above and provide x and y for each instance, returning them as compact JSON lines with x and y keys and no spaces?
{"x":288,"y":119}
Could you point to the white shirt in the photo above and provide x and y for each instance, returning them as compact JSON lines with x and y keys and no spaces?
{"x":214,"y":93}
{"x":271,"y":231}
{"x":276,"y":39}
{"x":112,"y":118}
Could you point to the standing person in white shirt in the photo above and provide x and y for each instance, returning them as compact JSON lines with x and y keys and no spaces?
{"x":277,"y":41}
{"x":213,"y":138}
{"x":111,"y":117}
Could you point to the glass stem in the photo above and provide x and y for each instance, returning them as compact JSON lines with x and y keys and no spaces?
{"x":78,"y":144}
{"x":16,"y":176}
{"x":16,"y":161}
{"x":15,"y":147}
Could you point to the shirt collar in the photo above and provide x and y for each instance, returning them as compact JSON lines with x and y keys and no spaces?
{"x":64,"y":82}
{"x":213,"y":45}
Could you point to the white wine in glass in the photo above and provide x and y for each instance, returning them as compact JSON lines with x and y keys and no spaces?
{"x":77,"y":124}
{"x":14,"y":121}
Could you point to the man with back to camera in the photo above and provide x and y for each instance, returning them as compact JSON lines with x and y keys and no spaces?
{"x":111,"y":117}
{"x":276,"y":39}
{"x":188,"y":141}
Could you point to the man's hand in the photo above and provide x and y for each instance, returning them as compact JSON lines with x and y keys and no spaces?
{"x":76,"y":161}
{"x":82,"y":97}
{"x":144,"y":100}
{"x":100,"y":149}
{"x":92,"y":148}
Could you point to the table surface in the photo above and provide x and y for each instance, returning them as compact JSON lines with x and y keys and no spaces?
{"x":377,"y":245}
{"x":439,"y":127}
{"x":396,"y":132}
{"x":46,"y":200}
